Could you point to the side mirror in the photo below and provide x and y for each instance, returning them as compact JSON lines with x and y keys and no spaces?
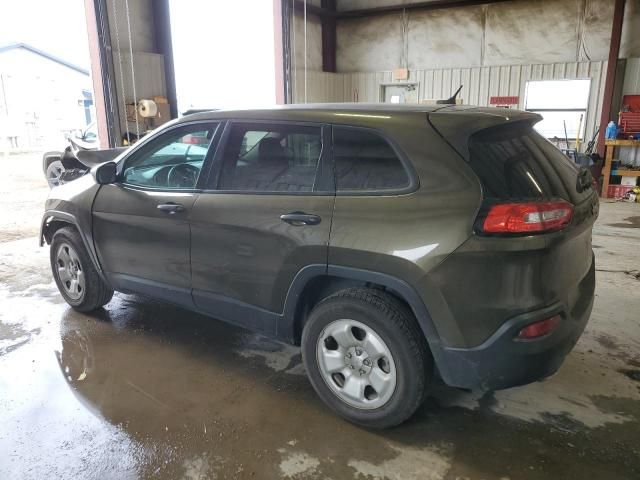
{"x":105,"y":173}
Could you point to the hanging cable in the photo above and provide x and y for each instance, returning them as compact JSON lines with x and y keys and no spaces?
{"x":124,"y":97}
{"x":305,"y":51}
{"x":133,"y":73}
{"x":294,"y":63}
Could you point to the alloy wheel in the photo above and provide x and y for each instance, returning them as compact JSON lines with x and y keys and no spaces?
{"x":69,"y":271}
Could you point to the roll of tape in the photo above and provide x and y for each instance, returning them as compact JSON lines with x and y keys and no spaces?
{"x":147,"y":108}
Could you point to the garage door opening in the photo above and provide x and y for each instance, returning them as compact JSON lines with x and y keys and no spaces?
{"x":223,"y":57}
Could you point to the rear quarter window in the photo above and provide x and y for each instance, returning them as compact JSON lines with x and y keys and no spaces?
{"x":364,"y":161}
{"x":513,"y":162}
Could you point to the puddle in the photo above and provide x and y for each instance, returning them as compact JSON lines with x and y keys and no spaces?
{"x":632,"y":222}
{"x":632,"y":374}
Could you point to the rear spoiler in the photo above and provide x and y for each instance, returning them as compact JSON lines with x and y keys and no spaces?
{"x":91,"y":158}
{"x":456,"y":124}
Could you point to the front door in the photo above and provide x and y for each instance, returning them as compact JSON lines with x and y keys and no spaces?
{"x":140,"y":223}
{"x":266,"y":215}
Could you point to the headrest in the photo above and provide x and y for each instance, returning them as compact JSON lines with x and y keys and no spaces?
{"x":270,"y":150}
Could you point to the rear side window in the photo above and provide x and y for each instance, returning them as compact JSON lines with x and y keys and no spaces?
{"x":364,"y":161}
{"x":513,"y":162}
{"x":279,"y":158}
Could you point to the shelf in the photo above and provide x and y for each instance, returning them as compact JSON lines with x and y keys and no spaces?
{"x":622,"y":143}
{"x":621,"y":172}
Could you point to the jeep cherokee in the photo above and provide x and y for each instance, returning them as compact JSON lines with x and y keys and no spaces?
{"x":395,"y":245}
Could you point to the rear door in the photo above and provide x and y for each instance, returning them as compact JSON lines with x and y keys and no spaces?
{"x":140,"y":223}
{"x":265,"y":215}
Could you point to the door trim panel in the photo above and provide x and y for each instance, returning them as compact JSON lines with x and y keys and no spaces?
{"x":236,"y":312}
{"x":161,"y":291}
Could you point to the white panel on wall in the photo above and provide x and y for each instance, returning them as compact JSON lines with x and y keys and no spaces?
{"x":632,"y":77}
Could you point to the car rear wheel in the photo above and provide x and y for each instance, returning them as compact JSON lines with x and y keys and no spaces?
{"x":366,"y":357}
{"x":54,"y":173}
{"x":76,"y":277}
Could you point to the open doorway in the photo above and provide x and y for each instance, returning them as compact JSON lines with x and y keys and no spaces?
{"x":563,"y":106}
{"x":400,"y":93}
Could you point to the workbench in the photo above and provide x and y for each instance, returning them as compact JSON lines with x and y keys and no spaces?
{"x":610,"y":146}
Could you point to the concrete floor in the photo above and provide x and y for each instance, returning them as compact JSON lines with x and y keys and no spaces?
{"x":146,"y":390}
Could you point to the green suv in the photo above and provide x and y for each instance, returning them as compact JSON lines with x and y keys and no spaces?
{"x":397,"y":245}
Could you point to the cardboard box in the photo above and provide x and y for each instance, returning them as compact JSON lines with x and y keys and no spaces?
{"x":163,"y":115}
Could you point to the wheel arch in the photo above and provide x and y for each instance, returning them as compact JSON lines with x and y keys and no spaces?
{"x":315,"y":282}
{"x":52,"y":221}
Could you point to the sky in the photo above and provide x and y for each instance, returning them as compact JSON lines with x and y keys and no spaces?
{"x":223,"y":57}
{"x":55,"y":26}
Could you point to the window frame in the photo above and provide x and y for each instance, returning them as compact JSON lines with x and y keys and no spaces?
{"x":149,"y":141}
{"x":414,"y":182}
{"x":323,"y":186}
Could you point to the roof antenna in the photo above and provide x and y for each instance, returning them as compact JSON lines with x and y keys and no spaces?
{"x":451,"y":100}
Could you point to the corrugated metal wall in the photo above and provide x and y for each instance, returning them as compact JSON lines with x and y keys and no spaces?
{"x":149,"y":75}
{"x":480,"y":83}
{"x":632,"y":77}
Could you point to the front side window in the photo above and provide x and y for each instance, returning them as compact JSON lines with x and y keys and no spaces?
{"x":364,"y":161}
{"x":271,"y":158}
{"x":171,"y":161}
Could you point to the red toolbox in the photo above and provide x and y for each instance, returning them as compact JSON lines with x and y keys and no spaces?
{"x":618,"y":191}
{"x":629,"y":121}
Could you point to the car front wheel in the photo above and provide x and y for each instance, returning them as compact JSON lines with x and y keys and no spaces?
{"x":366,"y":357}
{"x":74,"y":273}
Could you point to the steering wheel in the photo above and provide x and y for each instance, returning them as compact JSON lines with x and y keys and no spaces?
{"x":182,"y":175}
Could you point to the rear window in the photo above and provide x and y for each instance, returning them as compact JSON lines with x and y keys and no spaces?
{"x":513,"y":162}
{"x":364,"y":161}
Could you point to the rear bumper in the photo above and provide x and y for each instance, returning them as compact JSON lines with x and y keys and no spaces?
{"x":502,"y":362}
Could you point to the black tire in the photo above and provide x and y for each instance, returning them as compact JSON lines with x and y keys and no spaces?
{"x":96,"y":293}
{"x":392,"y":321}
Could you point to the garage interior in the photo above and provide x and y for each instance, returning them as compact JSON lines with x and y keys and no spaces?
{"x":143,"y":389}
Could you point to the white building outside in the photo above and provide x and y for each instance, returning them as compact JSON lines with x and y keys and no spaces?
{"x":42,"y":99}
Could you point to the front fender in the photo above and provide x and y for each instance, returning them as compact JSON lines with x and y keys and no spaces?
{"x":71,"y":204}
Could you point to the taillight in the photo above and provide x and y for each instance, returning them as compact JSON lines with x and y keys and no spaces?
{"x":527,"y":217}
{"x":539,"y":329}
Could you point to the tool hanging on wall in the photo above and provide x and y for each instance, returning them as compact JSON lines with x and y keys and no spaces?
{"x":577,"y":145}
{"x":592,"y":142}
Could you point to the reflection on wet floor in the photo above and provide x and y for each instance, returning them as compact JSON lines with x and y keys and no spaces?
{"x":174,"y":394}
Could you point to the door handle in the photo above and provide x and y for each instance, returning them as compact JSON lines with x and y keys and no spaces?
{"x":171,"y":208}
{"x":297,"y":219}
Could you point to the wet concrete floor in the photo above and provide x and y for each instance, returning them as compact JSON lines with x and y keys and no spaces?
{"x":143,"y":389}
